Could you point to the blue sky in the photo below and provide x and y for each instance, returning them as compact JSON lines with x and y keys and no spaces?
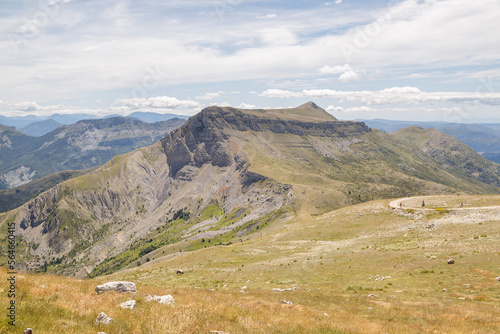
{"x":407,"y":60}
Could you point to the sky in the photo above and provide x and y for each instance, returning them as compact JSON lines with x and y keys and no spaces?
{"x":425,"y":60}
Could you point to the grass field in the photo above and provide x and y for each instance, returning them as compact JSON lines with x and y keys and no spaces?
{"x":360,"y":269}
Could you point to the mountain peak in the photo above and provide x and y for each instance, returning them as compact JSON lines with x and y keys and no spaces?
{"x":307,"y":112}
{"x":309,"y":104}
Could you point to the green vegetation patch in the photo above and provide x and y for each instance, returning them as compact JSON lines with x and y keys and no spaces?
{"x":213,"y":210}
{"x":170,"y":233}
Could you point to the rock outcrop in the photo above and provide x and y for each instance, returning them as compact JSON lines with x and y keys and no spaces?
{"x":130,"y":304}
{"x":167,"y":299}
{"x":103,"y":319}
{"x":118,"y":286}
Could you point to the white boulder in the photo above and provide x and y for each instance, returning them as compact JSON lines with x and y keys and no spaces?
{"x":118,"y":286}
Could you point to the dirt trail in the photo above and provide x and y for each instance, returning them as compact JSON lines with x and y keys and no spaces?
{"x":400,"y":204}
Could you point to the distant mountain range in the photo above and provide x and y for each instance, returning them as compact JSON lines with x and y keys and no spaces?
{"x":38,"y":129}
{"x":82,"y":145}
{"x":483,"y":138}
{"x":37,"y":126}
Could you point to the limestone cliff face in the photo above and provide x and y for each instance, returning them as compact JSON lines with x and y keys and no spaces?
{"x":39,"y":209}
{"x":198,"y":142}
{"x":203,"y":139}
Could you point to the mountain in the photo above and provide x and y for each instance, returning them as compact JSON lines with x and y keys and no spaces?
{"x":483,"y":138}
{"x":40,"y":128}
{"x":82,"y":145}
{"x":23,"y":121}
{"x":19,"y":121}
{"x":231,"y":174}
{"x":67,"y":119}
{"x":151,"y":117}
{"x":14,"y":197}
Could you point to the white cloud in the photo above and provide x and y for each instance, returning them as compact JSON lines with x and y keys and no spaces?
{"x":401,"y":90}
{"x":338,"y":2}
{"x":278,"y":37}
{"x":269,"y":16}
{"x":390,"y":96}
{"x":158,"y":104}
{"x":347,"y":73}
{"x":333,"y":109}
{"x":55,"y":2}
{"x":335,"y":69}
{"x":416,"y":36}
{"x":247,"y":106}
{"x":26,"y":108}
{"x":284,"y":94}
{"x":209,"y":96}
{"x":349,"y":76}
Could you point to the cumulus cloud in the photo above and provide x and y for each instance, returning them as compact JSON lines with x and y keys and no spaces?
{"x":29,"y":107}
{"x":158,"y":104}
{"x":25,"y":108}
{"x":390,"y":96}
{"x":247,"y":106}
{"x":349,"y":76}
{"x":335,"y":69}
{"x":347,"y":73}
{"x":407,"y":37}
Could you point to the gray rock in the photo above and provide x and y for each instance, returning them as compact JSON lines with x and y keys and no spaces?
{"x":497,"y":279}
{"x":451,"y":261}
{"x":167,"y":299}
{"x":128,"y":304}
{"x":119,"y":286}
{"x":286,"y":302}
{"x":103,"y":319}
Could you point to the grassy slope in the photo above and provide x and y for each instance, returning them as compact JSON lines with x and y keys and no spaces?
{"x":450,"y":152}
{"x":377,"y":166}
{"x":308,"y":112}
{"x":332,"y":259}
